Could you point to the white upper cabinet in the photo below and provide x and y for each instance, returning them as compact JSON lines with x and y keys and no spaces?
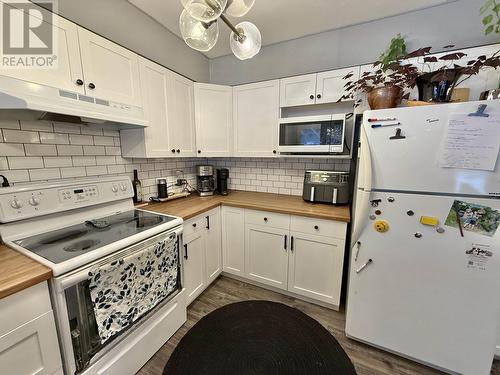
{"x":320,"y":88}
{"x":181,"y":128}
{"x":69,"y":68}
{"x":111,"y":72}
{"x":256,"y":115}
{"x":330,"y":85}
{"x":299,"y":90}
{"x":214,"y":119}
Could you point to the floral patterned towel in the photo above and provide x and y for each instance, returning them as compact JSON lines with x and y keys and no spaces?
{"x":128,"y":288}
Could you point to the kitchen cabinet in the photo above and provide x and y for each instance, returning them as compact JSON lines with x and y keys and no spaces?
{"x":214,"y":119}
{"x":28,"y":336}
{"x":194,"y":265}
{"x":266,"y":255}
{"x":111,"y":72}
{"x":320,"y":88}
{"x":169,"y":108}
{"x":315,"y":267}
{"x":69,"y":68}
{"x":233,"y":240}
{"x":181,"y":126}
{"x":256,"y":115}
{"x":202,"y":257}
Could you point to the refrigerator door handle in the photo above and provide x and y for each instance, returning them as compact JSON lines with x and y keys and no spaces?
{"x":365,"y":163}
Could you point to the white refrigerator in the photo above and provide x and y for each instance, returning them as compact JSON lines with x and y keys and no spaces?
{"x":424,"y":272}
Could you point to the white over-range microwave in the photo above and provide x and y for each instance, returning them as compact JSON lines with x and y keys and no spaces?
{"x":324,"y":134}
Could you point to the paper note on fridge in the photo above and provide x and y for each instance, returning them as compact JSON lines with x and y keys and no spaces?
{"x":471,"y":142}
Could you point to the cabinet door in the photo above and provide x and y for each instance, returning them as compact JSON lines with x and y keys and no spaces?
{"x":69,"y":68}
{"x":214,"y":117}
{"x":315,"y":267}
{"x":194,"y":265}
{"x":266,"y":255}
{"x":233,"y":240}
{"x":213,"y":245}
{"x":181,"y":128}
{"x":112,"y":69}
{"x":256,"y":115}
{"x":299,"y":90}
{"x":330,"y":85}
{"x":31,"y":348}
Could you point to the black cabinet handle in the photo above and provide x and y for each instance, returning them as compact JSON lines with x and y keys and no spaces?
{"x":173,"y":151}
{"x":199,"y":151}
{"x":316,"y":227}
{"x":265,"y":219}
{"x":274,"y":152}
{"x":311,"y":97}
{"x":194,"y":225}
{"x":91,"y":86}
{"x":208,"y":221}
{"x":79,"y":82}
{"x":185,"y":251}
{"x":178,"y":151}
{"x":286,"y":240}
{"x":319,"y":96}
{"x":291,"y":244}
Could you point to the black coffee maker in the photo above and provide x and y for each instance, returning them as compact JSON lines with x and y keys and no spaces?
{"x":222,"y":177}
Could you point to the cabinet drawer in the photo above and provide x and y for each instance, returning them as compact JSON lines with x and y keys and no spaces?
{"x":320,"y":227}
{"x":194,"y":225}
{"x":269,"y":219}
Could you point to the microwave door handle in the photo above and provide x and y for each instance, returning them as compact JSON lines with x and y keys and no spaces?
{"x":311,"y":198}
{"x":335,"y":193}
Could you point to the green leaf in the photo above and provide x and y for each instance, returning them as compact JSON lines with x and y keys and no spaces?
{"x":486,"y":6}
{"x":496,"y":8}
{"x":488,"y":30}
{"x":487,"y":19}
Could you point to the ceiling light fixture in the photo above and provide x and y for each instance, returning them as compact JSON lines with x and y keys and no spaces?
{"x":200,"y":29}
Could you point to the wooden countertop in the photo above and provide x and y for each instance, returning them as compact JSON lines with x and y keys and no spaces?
{"x":285,"y":204}
{"x":18,"y":272}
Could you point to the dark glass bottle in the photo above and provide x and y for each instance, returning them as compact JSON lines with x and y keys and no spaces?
{"x":137,"y":184}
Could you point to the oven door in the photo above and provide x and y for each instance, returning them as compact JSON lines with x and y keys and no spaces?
{"x":80,"y":336}
{"x":303,"y":135}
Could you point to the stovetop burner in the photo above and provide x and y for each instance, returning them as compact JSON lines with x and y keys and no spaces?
{"x":66,"y":243}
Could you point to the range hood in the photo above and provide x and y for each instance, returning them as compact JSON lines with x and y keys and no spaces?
{"x":21,"y":100}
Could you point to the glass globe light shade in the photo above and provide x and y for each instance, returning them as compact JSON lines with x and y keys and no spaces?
{"x":251,"y":43}
{"x":204,"y":10}
{"x":238,"y":8}
{"x":198,"y":35}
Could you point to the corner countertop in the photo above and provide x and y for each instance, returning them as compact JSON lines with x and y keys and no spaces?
{"x":286,"y":204}
{"x":18,"y":272}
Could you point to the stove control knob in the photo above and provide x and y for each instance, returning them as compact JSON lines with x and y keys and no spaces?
{"x":123,"y":187}
{"x":114,"y":188}
{"x":34,"y":201}
{"x":17,"y":203}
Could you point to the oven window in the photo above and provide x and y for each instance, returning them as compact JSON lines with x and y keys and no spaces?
{"x":304,"y":134}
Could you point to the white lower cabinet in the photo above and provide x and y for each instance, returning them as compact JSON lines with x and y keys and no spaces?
{"x":315,"y":267}
{"x":201,"y":252}
{"x":300,"y":255}
{"x":266,"y":255}
{"x":28,"y":338}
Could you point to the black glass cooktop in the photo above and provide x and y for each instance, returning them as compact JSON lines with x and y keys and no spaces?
{"x":63,"y":244}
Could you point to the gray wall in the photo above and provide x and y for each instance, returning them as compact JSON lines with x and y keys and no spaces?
{"x":124,"y":24}
{"x":456,"y":23}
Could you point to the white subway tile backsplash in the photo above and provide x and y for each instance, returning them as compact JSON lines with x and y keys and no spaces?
{"x":3,"y":163}
{"x":94,"y":150}
{"x":105,"y":160}
{"x":73,"y":172}
{"x":103,"y":141}
{"x":40,"y":150}
{"x":44,"y":126}
{"x":44,"y":174}
{"x":110,"y":133}
{"x":113,"y":150}
{"x":10,"y":124}
{"x":78,"y":139}
{"x":57,"y":161}
{"x":91,"y":130}
{"x":20,"y":136}
{"x":62,"y":127}
{"x":117,"y":168}
{"x":20,"y":175}
{"x":96,"y":170}
{"x":67,"y":150}
{"x":11,"y":149}
{"x":79,"y":161}
{"x":25,"y":162}
{"x":54,"y":138}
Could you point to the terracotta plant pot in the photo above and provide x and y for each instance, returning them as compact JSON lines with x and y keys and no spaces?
{"x":385,"y":97}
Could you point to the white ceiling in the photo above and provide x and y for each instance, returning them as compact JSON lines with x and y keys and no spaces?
{"x":280,"y":20}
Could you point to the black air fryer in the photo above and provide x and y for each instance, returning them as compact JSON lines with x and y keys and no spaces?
{"x":222,"y":177}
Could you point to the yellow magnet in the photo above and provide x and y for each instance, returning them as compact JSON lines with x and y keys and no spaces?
{"x":381,"y":226}
{"x":429,"y":220}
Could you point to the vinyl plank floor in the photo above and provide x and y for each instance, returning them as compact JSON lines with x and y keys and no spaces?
{"x":366,"y":359}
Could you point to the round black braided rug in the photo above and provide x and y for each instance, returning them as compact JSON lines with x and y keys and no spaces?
{"x":258,"y":337}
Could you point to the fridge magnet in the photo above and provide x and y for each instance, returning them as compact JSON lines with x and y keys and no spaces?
{"x":473,"y":217}
{"x":478,"y":256}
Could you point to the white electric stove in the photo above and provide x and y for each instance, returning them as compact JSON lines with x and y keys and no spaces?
{"x":77,"y":227}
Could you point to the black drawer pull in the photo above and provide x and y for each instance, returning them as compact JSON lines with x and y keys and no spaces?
{"x":208,"y":222}
{"x":185,"y":251}
{"x":316,"y":227}
{"x":291,"y":244}
{"x":286,"y":240}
